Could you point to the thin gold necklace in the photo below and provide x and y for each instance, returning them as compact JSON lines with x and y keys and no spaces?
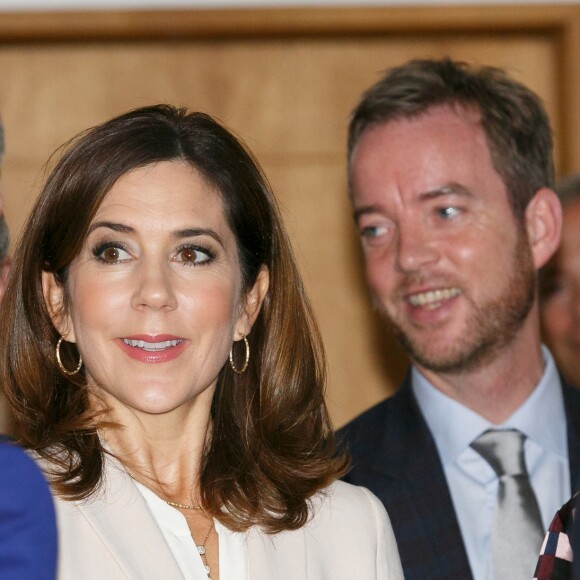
{"x":179,"y":506}
{"x":200,"y":547}
{"x":183,"y":506}
{"x":201,"y":550}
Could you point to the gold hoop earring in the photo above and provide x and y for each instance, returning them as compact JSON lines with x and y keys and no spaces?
{"x":245,"y":365}
{"x":59,"y":361}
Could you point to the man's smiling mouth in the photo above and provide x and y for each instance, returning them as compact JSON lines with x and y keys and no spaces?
{"x":433,"y":298}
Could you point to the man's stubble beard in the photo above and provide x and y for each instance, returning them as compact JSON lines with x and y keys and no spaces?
{"x":489,"y":328}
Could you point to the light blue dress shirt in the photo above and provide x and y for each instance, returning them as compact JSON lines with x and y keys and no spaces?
{"x":472,"y":482}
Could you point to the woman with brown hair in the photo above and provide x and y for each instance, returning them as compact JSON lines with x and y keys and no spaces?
{"x":163,"y":365}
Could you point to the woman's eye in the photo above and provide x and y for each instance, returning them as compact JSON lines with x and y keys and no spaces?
{"x":193,"y":255}
{"x":111,"y":254}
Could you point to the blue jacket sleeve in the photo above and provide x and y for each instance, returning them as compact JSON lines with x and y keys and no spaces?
{"x":28,"y":538}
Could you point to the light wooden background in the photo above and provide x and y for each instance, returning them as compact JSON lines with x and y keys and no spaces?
{"x":285,"y":80}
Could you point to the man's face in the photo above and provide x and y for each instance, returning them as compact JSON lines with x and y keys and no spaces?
{"x":446,"y":260}
{"x":561,"y":306}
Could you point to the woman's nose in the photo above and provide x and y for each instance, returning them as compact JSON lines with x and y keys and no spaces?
{"x":154,"y":287}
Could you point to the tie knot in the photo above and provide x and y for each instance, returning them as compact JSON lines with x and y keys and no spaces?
{"x":503,"y":450}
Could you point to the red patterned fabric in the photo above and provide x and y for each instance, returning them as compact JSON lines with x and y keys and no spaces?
{"x":555,"y":561}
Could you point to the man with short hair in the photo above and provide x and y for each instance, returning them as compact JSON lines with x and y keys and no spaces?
{"x":450,"y":174}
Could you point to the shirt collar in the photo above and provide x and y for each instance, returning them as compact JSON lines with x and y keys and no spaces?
{"x":172,"y":520}
{"x":456,"y":426}
{"x":167,"y":518}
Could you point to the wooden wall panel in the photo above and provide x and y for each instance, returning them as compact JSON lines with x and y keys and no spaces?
{"x":288,"y":94}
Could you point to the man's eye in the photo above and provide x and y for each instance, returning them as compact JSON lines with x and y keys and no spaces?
{"x":373,"y":231}
{"x":448,"y":212}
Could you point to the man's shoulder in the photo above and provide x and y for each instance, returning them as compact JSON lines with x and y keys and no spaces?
{"x":369,"y":419}
{"x":365,"y":433}
{"x":571,"y":394}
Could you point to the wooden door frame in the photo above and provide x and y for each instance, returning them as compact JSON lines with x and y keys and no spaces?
{"x":558,"y":22}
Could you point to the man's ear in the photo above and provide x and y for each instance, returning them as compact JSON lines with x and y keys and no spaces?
{"x":252,"y":304}
{"x":54,"y":300}
{"x":544,"y":225}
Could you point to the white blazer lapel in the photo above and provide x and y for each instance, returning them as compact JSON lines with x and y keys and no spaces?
{"x":120,"y":516}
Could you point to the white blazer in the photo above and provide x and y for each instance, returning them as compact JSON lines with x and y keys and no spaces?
{"x":113,"y":536}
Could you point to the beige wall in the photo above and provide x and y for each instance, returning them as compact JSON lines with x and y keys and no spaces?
{"x":284,"y":80}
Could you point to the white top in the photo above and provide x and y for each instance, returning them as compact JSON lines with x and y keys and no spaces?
{"x":473,"y":483}
{"x":233,"y":556}
{"x":113,"y":535}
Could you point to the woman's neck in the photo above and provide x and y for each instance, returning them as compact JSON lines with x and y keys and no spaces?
{"x":164,"y":451}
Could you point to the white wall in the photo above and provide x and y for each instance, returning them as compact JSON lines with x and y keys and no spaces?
{"x":19,"y":5}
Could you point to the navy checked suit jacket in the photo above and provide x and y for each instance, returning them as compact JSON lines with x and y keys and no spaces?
{"x":394,"y":455}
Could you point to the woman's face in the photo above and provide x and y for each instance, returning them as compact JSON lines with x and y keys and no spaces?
{"x":155,"y":296}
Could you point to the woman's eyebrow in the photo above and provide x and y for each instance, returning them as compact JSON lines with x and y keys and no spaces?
{"x":179,"y":234}
{"x":116,"y":227}
{"x":194,"y":232}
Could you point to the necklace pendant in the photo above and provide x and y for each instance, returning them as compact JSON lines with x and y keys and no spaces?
{"x":201,"y":550}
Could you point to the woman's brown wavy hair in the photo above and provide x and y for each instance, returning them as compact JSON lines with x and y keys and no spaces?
{"x":272,"y":445}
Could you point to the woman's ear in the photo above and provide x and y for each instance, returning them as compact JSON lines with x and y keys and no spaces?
{"x":54,"y":300}
{"x":544,"y":225}
{"x":253,"y":302}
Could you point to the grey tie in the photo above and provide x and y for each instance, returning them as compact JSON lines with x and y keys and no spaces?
{"x":517,"y":532}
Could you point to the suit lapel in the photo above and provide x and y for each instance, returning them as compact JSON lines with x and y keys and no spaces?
{"x":121,"y":518}
{"x":572,"y":406}
{"x":417,"y":496}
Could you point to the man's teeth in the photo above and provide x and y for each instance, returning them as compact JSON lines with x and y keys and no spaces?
{"x":152,"y":346}
{"x":433,"y":297}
